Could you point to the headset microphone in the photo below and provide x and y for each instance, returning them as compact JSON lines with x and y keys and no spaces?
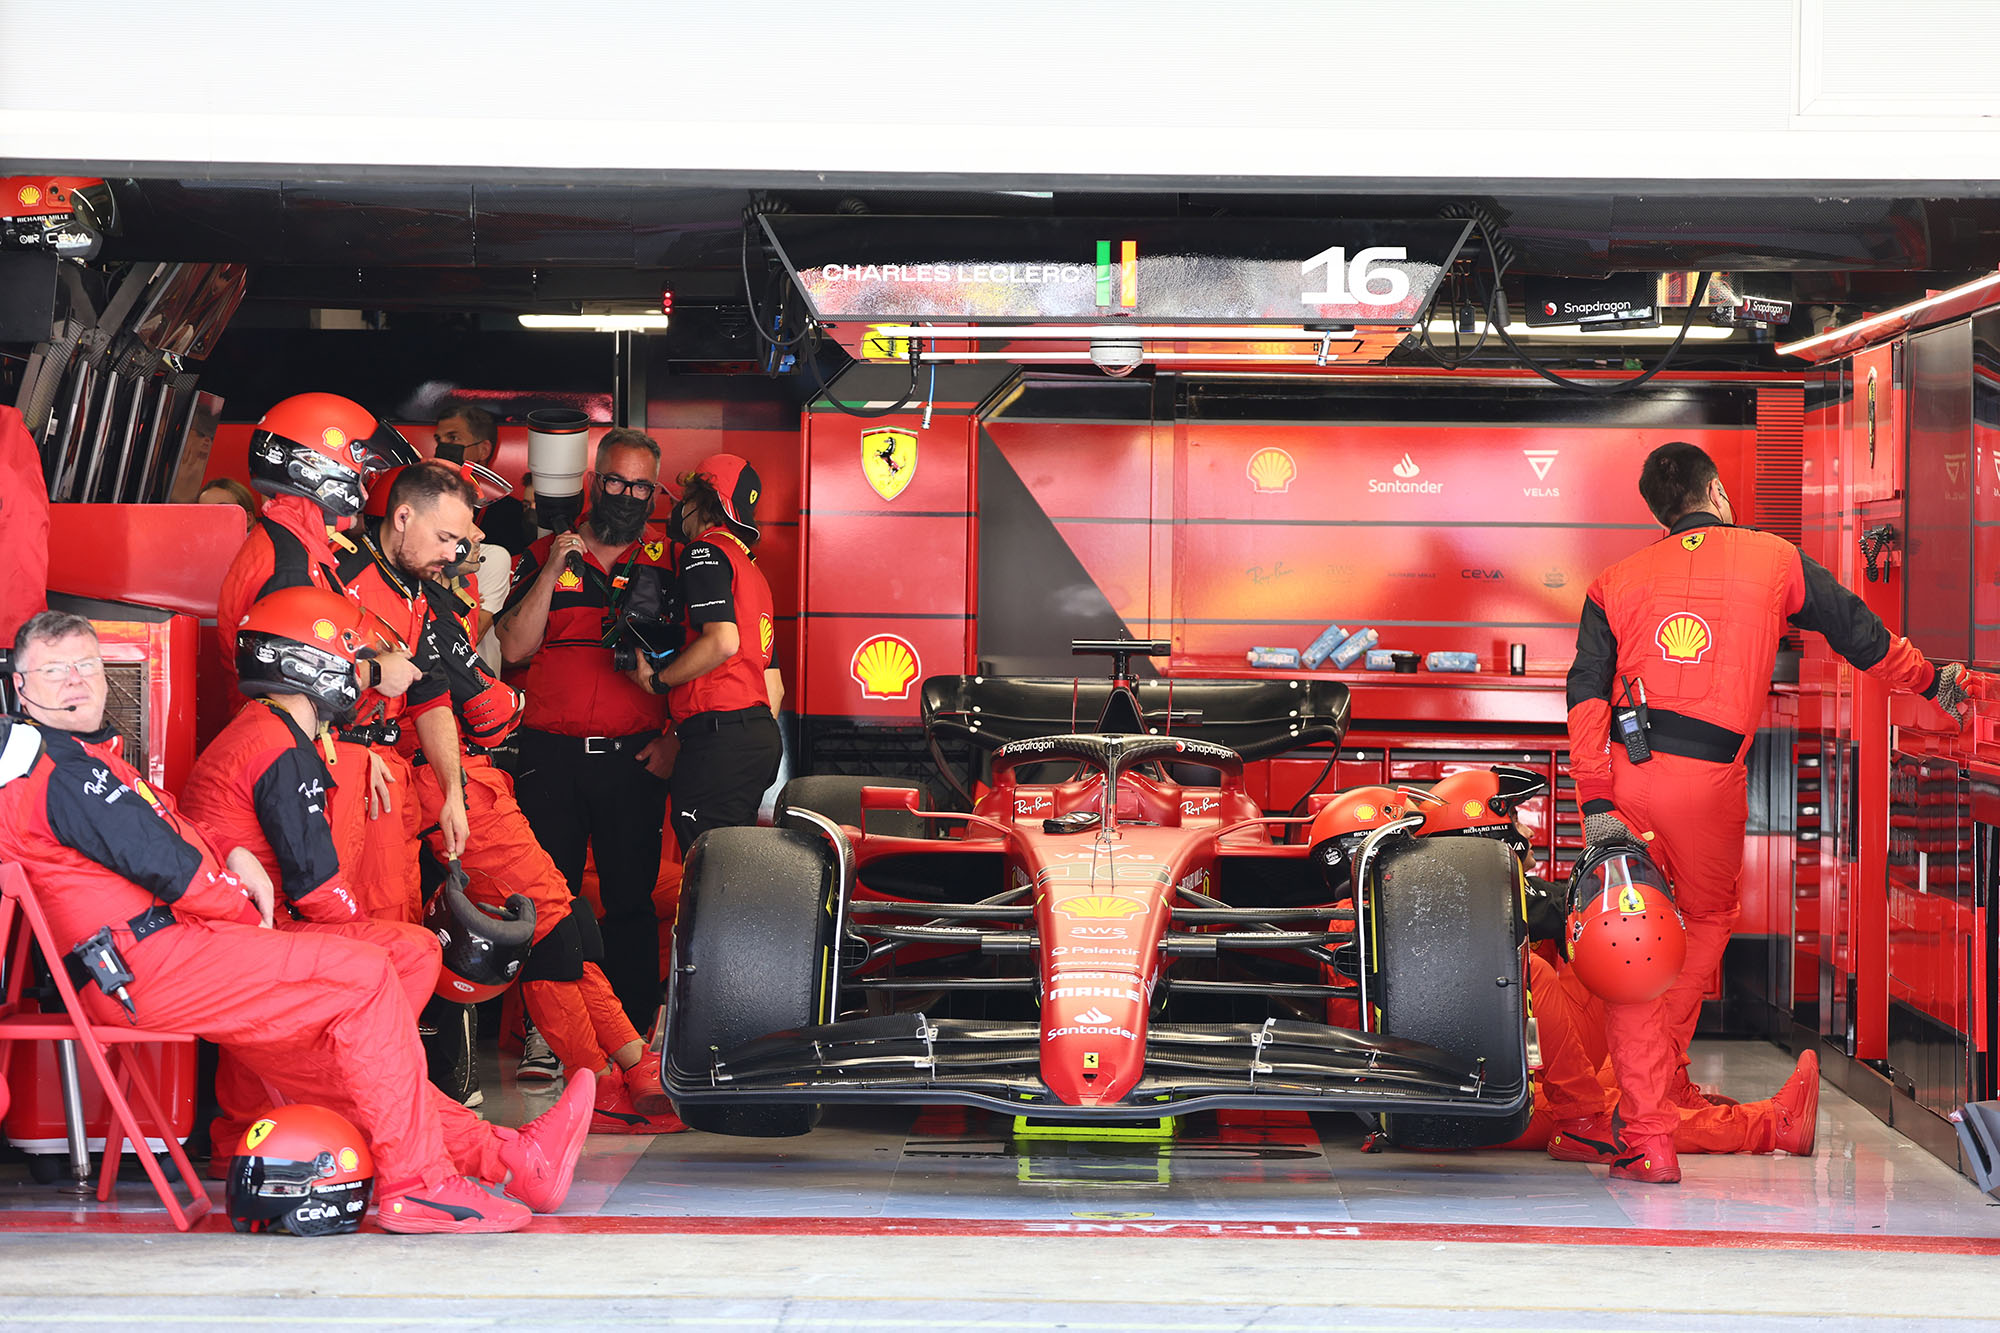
{"x":52,"y":708}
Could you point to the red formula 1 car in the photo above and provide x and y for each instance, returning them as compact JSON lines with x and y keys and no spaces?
{"x":1114,"y":930}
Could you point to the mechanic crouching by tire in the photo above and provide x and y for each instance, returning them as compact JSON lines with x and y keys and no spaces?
{"x":127,"y":880}
{"x":592,"y":774}
{"x":721,"y":690}
{"x":1673,"y":664}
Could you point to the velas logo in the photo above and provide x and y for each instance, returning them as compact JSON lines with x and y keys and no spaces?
{"x":885,"y":667}
{"x":1683,"y":637}
{"x":1541,"y":460}
{"x":1121,"y":274}
{"x":324,"y":629}
{"x":1407,"y":468}
{"x":765,"y":632}
{"x":1271,"y":471}
{"x":889,"y":460}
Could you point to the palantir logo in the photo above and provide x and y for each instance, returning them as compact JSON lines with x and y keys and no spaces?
{"x":1407,"y":468}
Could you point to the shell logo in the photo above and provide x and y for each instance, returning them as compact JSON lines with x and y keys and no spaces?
{"x":1631,"y":901}
{"x":1474,"y":809}
{"x":1364,"y":812}
{"x":258,"y":1132}
{"x":334,"y":437}
{"x":30,"y":195}
{"x":885,"y":667}
{"x":1693,"y":540}
{"x":348,"y":1160}
{"x":145,"y":793}
{"x":568,"y":580}
{"x":1271,"y":471}
{"x":765,"y":632}
{"x":1099,"y":907}
{"x":323,"y":629}
{"x":1684,"y":637}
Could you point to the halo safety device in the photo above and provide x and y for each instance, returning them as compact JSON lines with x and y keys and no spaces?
{"x":1625,"y":936}
{"x":483,"y":949}
{"x":300,"y":1169}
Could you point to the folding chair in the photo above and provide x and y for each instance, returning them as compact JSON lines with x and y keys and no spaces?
{"x":108,"y":1047}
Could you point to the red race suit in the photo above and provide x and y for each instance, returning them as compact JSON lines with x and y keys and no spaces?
{"x":1693,"y":622}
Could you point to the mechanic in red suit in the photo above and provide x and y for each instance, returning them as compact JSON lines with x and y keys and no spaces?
{"x":594,"y":761}
{"x":312,"y":454}
{"x":318,"y":1017}
{"x":263,"y":785}
{"x":721,"y":689}
{"x":394,"y":569}
{"x":1689,"y":627}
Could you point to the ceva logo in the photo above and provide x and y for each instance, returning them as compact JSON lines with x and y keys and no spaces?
{"x":1407,"y":468}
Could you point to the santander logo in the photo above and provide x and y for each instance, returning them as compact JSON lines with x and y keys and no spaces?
{"x":1092,"y":1016}
{"x":1406,"y":469}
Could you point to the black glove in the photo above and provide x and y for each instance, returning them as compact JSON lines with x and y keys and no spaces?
{"x":1955,"y":684}
{"x":1605,"y":827}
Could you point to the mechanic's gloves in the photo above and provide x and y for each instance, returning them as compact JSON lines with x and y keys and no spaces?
{"x":1605,"y":826}
{"x":1955,"y":684}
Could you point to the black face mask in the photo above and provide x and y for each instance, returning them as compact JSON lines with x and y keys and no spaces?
{"x":451,"y":453}
{"x":677,"y":521}
{"x":618,"y":518}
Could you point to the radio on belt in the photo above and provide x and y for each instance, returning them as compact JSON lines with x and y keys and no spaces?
{"x":1630,"y":723}
{"x":99,"y":957}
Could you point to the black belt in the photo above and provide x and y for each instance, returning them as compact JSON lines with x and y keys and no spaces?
{"x":590,"y":745}
{"x":1691,"y":738}
{"x":717,"y":719}
{"x":379,"y":733}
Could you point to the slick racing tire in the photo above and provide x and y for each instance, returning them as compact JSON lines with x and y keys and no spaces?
{"x":1448,"y":972}
{"x":750,"y":956}
{"x":838,"y":797}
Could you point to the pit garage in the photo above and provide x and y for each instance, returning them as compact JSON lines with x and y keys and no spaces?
{"x":1183,"y":519}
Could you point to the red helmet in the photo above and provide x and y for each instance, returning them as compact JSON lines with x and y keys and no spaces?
{"x":1626,"y":939}
{"x":305,"y":641}
{"x":1345,"y":822}
{"x":302,"y":1169}
{"x":738,"y":485}
{"x":322,"y":446}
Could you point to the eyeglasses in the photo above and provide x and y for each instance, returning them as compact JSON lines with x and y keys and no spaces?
{"x":617,"y":485}
{"x":55,"y":673}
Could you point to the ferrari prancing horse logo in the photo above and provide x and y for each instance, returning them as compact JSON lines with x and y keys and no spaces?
{"x":1692,"y":541}
{"x":888,"y":460}
{"x":258,"y":1132}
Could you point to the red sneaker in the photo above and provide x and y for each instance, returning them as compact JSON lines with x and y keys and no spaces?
{"x":456,"y":1205}
{"x":1590,"y":1138}
{"x":614,"y":1113}
{"x":643,"y":1082}
{"x":1692,"y":1096}
{"x":1648,"y":1159}
{"x":1797,"y":1106}
{"x":541,"y":1159}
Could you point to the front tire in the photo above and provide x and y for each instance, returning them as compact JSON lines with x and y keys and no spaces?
{"x":1449,"y":972}
{"x":752,"y":945}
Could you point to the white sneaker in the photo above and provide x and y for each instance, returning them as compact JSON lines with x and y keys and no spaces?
{"x":538,"y":1062}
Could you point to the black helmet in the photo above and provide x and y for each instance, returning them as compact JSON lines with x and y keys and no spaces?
{"x":483,"y":949}
{"x":302,"y":1169}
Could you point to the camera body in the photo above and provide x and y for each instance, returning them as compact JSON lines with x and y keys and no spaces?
{"x":646,"y":621}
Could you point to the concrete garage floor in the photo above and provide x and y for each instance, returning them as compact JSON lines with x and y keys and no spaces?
{"x":941,"y":1220}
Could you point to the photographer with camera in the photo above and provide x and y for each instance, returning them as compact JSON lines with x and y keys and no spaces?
{"x":586,"y":606}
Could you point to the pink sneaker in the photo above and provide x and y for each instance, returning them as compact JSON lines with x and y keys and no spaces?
{"x":455,"y":1205}
{"x":541,"y":1159}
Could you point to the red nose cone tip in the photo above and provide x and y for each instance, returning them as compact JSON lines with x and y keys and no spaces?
{"x":1093,"y":1044}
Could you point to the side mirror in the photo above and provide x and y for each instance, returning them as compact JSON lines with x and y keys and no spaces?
{"x":889,"y":798}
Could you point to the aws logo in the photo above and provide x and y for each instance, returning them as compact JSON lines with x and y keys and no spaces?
{"x":1684,"y":637}
{"x":885,"y":667}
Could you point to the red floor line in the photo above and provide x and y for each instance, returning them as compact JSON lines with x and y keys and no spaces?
{"x":49,"y":1222}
